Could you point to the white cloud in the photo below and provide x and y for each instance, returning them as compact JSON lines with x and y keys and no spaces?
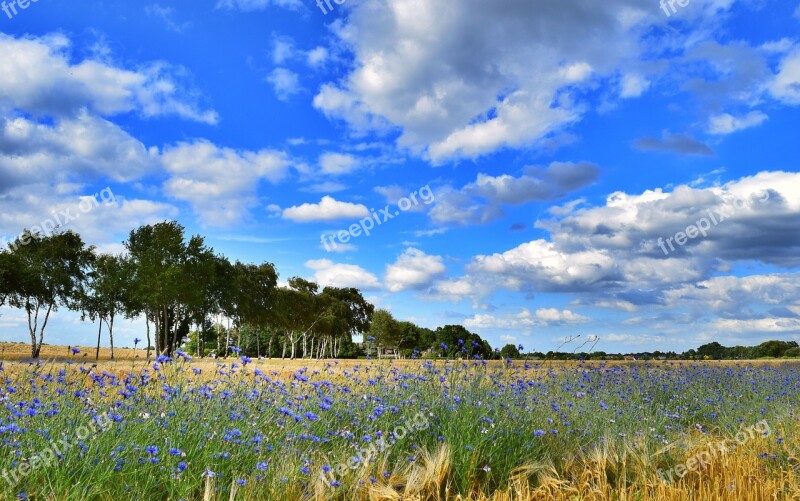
{"x":610,"y":254}
{"x":480,"y":201}
{"x":166,"y":15}
{"x":543,"y":266}
{"x":285,"y":83}
{"x":103,"y":223}
{"x":338,"y":163}
{"x":328,"y":209}
{"x":786,"y":85}
{"x":633,"y":85}
{"x":770,"y":325}
{"x":554,"y":316}
{"x":326,"y":273}
{"x":525,"y":320}
{"x":440,"y":72}
{"x":413,"y":270}
{"x":317,"y":57}
{"x":68,"y":149}
{"x":726,"y":123}
{"x":220,"y":183}
{"x":39,"y":76}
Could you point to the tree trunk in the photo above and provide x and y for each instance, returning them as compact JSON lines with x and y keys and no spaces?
{"x":99,"y":329}
{"x":228,"y":338}
{"x":157,"y":322}
{"x":147,"y":324}
{"x":41,"y":331}
{"x":32,"y":327}
{"x":111,"y":335}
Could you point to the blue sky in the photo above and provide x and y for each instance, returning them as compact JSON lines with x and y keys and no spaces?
{"x":559,"y":141}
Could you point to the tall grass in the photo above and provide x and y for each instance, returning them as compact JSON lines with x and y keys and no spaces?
{"x":518,"y":431}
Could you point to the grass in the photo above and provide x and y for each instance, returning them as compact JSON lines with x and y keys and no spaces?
{"x":437,"y":430}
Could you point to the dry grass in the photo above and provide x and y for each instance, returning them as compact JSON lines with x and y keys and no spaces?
{"x":602,"y":474}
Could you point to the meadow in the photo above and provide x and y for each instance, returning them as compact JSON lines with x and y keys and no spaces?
{"x":395,"y":429}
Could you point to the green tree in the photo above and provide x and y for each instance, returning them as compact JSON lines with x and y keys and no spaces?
{"x":385,"y":329}
{"x":106,"y":293}
{"x":50,"y":273}
{"x":509,"y":351}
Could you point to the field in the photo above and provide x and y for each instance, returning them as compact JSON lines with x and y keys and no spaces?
{"x":410,"y":429}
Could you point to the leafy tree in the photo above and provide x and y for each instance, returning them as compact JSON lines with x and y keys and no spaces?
{"x":106,"y":294}
{"x":385,"y":329}
{"x":792,"y":352}
{"x":713,"y":351}
{"x":509,"y":351}
{"x":50,"y":273}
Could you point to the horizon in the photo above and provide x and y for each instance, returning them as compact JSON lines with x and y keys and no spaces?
{"x":624,"y":170}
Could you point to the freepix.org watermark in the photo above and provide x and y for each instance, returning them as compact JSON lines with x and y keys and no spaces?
{"x":366,"y":225}
{"x":702,"y":225}
{"x":322,"y":3}
{"x":10,"y":8}
{"x":667,"y":5}
{"x":332,"y":476}
{"x":56,"y":450}
{"x":61,"y":218}
{"x":703,"y":458}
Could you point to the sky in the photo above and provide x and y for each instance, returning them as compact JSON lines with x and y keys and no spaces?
{"x":624,"y":171}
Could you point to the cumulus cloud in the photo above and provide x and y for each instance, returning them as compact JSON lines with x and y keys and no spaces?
{"x":525,"y":320}
{"x":285,"y":83}
{"x":68,"y":149}
{"x":338,"y":163}
{"x":609,"y":255}
{"x":328,"y":209}
{"x":727,"y":123}
{"x":39,"y":76}
{"x":220,"y":183}
{"x":786,"y":85}
{"x":413,"y":270}
{"x":481,"y":201}
{"x":442,"y":74}
{"x":326,"y":273}
{"x":102,"y":219}
{"x":633,"y":85}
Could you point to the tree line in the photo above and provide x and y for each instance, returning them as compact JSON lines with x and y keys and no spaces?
{"x":194,"y":299}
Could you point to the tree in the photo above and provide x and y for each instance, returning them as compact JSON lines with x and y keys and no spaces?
{"x":164,"y":269}
{"x":509,"y":351}
{"x":9,"y":275}
{"x":711,"y":350}
{"x":345,"y":313}
{"x":50,"y":273}
{"x":106,"y":295}
{"x":385,"y":329}
{"x":254,"y":290}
